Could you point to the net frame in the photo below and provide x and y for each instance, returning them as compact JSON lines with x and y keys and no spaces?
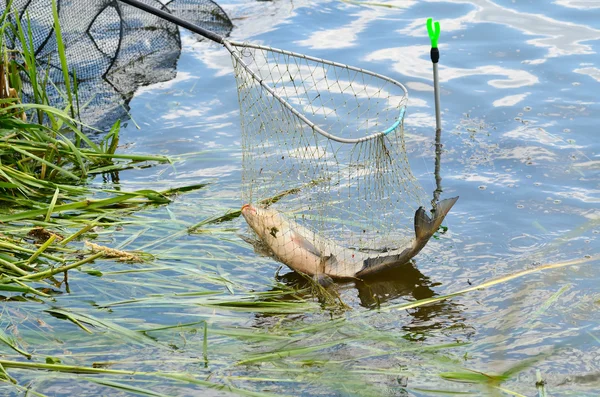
{"x":230,"y":45}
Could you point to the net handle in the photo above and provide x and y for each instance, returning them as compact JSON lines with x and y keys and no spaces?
{"x":218,"y":39}
{"x":176,"y":20}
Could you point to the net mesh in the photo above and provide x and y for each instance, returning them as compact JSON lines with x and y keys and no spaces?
{"x":111,"y":47}
{"x":361,"y":196}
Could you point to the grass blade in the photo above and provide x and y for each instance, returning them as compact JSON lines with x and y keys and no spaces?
{"x":52,"y":204}
{"x":10,"y":342}
{"x":491,"y":283}
{"x":63,"y":58}
{"x":126,"y":388}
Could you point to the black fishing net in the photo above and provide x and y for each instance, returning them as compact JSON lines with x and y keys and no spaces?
{"x":111,"y":48}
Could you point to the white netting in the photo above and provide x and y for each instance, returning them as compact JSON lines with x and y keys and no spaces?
{"x":358,"y":195}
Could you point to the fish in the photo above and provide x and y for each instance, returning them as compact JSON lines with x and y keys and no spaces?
{"x":306,"y":252}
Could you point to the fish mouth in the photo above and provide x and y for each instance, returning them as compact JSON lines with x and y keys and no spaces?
{"x":248,"y":207}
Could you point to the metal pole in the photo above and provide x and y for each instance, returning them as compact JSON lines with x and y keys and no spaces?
{"x":434,"y":33}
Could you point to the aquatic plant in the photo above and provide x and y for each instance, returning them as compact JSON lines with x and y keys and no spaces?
{"x":44,"y":167}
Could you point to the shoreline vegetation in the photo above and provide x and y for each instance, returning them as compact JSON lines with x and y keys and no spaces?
{"x":46,"y":159}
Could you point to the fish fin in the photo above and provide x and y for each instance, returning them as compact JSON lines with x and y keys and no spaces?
{"x":305,"y":244}
{"x":425,"y":226}
{"x":323,"y":280}
{"x":331,"y":267}
{"x":371,"y":263}
{"x":329,"y":262}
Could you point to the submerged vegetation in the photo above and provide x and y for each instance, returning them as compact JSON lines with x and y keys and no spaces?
{"x":80,"y":265}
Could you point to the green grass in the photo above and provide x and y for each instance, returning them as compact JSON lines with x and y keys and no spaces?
{"x":245,"y":336}
{"x":44,"y":169}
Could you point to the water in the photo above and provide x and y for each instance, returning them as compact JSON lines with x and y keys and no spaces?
{"x":519,"y":84}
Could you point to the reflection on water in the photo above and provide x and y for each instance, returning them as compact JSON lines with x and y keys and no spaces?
{"x":408,"y":283}
{"x":590,"y":71}
{"x":416,"y":63}
{"x":560,"y":37}
{"x":580,"y":4}
{"x":403,"y":283}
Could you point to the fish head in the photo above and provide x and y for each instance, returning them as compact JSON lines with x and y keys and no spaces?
{"x":267,"y":223}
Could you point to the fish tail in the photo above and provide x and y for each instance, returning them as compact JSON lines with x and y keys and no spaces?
{"x":424,"y":229}
{"x":425,"y":226}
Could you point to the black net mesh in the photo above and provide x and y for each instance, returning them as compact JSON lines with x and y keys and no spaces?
{"x":111,"y":48}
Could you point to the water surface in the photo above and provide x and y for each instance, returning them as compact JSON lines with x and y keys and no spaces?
{"x":520,"y":85}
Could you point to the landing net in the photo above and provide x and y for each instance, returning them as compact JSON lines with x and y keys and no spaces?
{"x":323,"y":143}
